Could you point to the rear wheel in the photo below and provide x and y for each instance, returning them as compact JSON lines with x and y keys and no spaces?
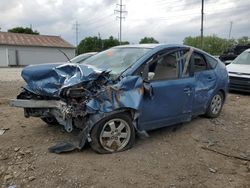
{"x":113,"y":134}
{"x":215,"y":106}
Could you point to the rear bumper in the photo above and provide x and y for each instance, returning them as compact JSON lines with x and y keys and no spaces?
{"x":239,"y":83}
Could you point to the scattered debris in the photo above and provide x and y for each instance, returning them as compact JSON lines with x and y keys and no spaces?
{"x":225,"y":154}
{"x":31,"y":178}
{"x":12,"y":186}
{"x":7,"y":177}
{"x":212,"y":170}
{"x":243,"y":155}
{"x":16,"y":149}
{"x":3,"y":130}
{"x":248,"y":167}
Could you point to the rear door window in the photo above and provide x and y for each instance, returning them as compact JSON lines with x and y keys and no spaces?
{"x":212,"y":62}
{"x":200,"y":63}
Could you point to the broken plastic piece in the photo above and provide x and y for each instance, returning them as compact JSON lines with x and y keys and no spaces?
{"x":62,"y":147}
{"x":3,"y":130}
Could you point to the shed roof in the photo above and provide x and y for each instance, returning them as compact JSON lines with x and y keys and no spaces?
{"x":20,"y":39}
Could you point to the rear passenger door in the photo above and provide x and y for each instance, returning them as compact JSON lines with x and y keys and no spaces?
{"x":205,"y":82}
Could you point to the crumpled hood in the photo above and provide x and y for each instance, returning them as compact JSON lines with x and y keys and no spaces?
{"x":50,"y":79}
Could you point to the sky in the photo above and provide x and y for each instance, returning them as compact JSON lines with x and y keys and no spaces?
{"x":168,"y":21}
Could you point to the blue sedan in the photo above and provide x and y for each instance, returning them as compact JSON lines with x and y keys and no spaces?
{"x":122,"y":91}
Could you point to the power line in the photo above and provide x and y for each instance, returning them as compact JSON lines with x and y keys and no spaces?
{"x":226,"y":10}
{"x":121,"y":15}
{"x":97,"y":20}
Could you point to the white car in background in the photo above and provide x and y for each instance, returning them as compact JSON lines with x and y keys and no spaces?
{"x":239,"y":72}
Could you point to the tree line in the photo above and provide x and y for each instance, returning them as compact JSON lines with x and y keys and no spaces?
{"x":211,"y":44}
{"x":96,"y":44}
{"x":214,"y":44}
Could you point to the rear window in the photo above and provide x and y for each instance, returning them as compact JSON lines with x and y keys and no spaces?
{"x":199,"y":63}
{"x":212,"y":62}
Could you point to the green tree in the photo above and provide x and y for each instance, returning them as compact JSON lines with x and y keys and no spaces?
{"x":124,"y":43}
{"x":95,"y":44}
{"x":211,"y":44}
{"x":146,"y":40}
{"x":243,"y":40}
{"x":25,"y":30}
{"x":110,"y":42}
{"x":89,"y":44}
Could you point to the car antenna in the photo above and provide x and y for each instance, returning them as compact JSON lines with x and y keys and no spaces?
{"x":64,"y":55}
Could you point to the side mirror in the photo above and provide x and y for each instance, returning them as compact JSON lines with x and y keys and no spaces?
{"x":151,"y":75}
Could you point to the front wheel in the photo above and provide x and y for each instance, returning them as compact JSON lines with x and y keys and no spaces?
{"x":50,"y":120}
{"x":113,"y":134}
{"x":215,"y":106}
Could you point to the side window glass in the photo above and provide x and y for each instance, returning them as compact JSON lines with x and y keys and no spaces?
{"x":164,"y":68}
{"x":213,"y":62}
{"x":199,"y":63}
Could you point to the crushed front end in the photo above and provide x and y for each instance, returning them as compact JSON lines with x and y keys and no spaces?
{"x":76,"y":96}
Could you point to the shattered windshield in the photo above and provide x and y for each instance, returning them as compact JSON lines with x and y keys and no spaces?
{"x":116,"y":59}
{"x":80,"y":58}
{"x":243,"y":58}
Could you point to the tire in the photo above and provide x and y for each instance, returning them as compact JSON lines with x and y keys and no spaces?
{"x":50,"y":120}
{"x":215,"y":106}
{"x":114,"y":133}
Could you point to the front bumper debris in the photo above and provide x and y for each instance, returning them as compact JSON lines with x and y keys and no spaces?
{"x":61,"y":111}
{"x":22,"y":103}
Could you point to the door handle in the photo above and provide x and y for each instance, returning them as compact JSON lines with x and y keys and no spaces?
{"x":187,"y":91}
{"x":210,"y":78}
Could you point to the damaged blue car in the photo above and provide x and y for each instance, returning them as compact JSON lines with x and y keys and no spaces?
{"x":122,"y":91}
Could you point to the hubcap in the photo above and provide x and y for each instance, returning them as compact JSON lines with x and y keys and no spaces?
{"x":216,"y":104}
{"x":115,"y":135}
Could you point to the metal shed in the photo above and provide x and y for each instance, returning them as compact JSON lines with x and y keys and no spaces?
{"x":25,"y":49}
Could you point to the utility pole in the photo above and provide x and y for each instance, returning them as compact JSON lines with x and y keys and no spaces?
{"x":121,"y":15}
{"x":100,"y":40}
{"x":230,"y":30}
{"x":202,"y":18}
{"x":76,"y":27}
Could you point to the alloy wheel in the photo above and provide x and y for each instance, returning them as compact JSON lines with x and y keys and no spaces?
{"x":115,"y":135}
{"x":216,"y":104}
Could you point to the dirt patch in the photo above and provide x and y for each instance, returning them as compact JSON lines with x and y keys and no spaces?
{"x":171,"y":157}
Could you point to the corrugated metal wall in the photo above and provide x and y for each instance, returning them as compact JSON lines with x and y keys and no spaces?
{"x":20,"y":56}
{"x":3,"y":57}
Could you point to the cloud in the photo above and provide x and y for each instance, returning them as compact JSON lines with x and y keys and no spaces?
{"x":166,"y":20}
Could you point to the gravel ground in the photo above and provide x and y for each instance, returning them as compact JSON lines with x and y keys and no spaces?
{"x":171,"y":157}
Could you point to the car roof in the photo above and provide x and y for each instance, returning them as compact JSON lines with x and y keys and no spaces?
{"x":162,"y":46}
{"x":248,"y":50}
{"x":151,"y":45}
{"x":89,"y":53}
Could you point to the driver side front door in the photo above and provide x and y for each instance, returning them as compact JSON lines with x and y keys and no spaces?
{"x":172,"y":94}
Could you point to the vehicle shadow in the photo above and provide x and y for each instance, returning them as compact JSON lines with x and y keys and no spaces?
{"x":239,"y":92}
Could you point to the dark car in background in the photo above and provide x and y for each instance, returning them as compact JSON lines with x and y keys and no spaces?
{"x":230,"y":54}
{"x":123,"y":90}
